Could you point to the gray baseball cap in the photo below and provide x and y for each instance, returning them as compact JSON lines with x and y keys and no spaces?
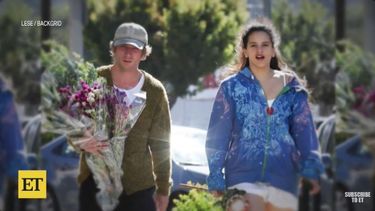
{"x":132,"y":34}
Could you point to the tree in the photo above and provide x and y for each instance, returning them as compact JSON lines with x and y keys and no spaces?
{"x":19,"y":52}
{"x":355,"y":93}
{"x":104,"y":17}
{"x":357,"y":63}
{"x":189,"y":38}
{"x":309,"y":46}
{"x":200,"y":38}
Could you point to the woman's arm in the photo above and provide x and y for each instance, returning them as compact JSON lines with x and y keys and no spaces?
{"x":218,"y":138}
{"x":303,"y":131}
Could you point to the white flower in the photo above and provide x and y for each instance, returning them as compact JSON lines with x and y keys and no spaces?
{"x":91,"y":95}
{"x":91,"y":99}
{"x":96,"y":92}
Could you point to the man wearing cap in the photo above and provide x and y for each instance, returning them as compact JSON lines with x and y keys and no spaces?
{"x":147,"y":162}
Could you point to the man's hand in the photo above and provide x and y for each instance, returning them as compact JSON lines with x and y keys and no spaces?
{"x":312,"y":185}
{"x":90,"y":144}
{"x":161,"y":202}
{"x":315,"y":187}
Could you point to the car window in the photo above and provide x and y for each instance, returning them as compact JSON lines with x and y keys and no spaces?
{"x":188,"y":146}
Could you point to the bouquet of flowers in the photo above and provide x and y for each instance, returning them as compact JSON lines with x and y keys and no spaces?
{"x":71,"y":110}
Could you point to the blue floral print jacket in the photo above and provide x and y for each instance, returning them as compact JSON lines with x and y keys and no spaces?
{"x":253,"y":145}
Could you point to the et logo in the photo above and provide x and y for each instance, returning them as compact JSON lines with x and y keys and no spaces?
{"x":32,"y":184}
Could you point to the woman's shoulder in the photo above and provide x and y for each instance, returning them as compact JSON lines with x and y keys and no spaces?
{"x":285,"y":76}
{"x":235,"y":76}
{"x":230,"y":81}
{"x":229,"y":78}
{"x":104,"y":70}
{"x":292,"y":80}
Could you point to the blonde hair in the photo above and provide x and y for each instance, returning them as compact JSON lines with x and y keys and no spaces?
{"x":146,"y":51}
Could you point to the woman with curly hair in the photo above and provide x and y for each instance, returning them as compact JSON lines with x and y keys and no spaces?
{"x":261,"y":131}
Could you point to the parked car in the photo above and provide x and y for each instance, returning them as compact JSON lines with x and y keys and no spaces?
{"x":350,"y":168}
{"x":61,"y":162}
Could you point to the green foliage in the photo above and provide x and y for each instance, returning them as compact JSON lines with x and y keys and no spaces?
{"x":308,"y":45}
{"x":355,"y":90}
{"x":354,"y":23}
{"x":67,"y":69}
{"x":357,"y":63}
{"x":189,"y":38}
{"x":197,"y":201}
{"x":356,"y":70}
{"x":200,"y":38}
{"x":105,"y":16}
{"x":19,"y":52}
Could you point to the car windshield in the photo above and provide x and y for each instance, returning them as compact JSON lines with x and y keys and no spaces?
{"x":188,"y":146}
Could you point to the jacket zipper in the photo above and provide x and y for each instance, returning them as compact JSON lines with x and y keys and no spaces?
{"x":265,"y":159}
{"x":266,"y":147}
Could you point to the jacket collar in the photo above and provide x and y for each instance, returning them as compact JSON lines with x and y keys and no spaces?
{"x":292,"y":84}
{"x":247,"y":73}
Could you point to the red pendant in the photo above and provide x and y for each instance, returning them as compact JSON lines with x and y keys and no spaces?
{"x":269,"y":110}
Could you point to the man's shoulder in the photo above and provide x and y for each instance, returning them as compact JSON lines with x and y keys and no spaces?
{"x":103,"y":70}
{"x":153,"y":82}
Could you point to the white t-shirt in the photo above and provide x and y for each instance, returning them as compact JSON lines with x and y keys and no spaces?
{"x":130,"y":93}
{"x":270,"y":102}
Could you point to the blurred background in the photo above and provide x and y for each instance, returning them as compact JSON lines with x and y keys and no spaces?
{"x":330,"y":42}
